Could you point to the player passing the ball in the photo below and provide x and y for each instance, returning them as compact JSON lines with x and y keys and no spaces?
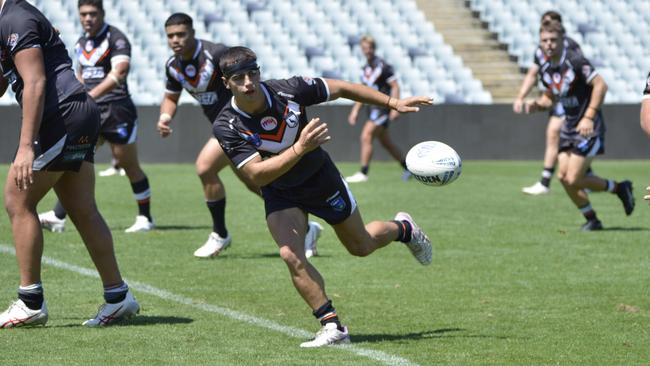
{"x":265,"y":132}
{"x":570,"y":78}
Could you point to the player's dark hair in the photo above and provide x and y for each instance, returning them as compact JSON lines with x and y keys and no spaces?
{"x":553,"y":15}
{"x":552,"y":26}
{"x":179,"y":19}
{"x":99,"y":4}
{"x":235,"y":55}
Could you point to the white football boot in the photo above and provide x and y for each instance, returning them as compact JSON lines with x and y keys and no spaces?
{"x":420,"y":245}
{"x":51,"y":222}
{"x":19,"y":315}
{"x":111,"y":313}
{"x":328,"y":335}
{"x":536,"y":189}
{"x":357,"y":177}
{"x":311,"y":239}
{"x":112,"y":171}
{"x":141,"y":225}
{"x":213,"y":246}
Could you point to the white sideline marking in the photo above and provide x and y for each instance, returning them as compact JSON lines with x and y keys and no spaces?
{"x":379,"y":356}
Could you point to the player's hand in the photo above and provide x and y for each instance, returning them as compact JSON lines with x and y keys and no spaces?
{"x":312,"y":136}
{"x":22,"y":167}
{"x":531,"y":106}
{"x":163,"y":128}
{"x":647,"y":196}
{"x":352,"y":118}
{"x":518,"y":106}
{"x":393,"y":115}
{"x":411,"y":104}
{"x":585,"y":127}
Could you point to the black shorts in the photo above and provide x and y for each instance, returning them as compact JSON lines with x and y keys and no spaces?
{"x":68,"y":135}
{"x":582,"y":146}
{"x":325,"y":195}
{"x":379,"y":116}
{"x":119,"y":121}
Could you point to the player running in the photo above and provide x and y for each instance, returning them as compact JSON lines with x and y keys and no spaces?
{"x":60,"y":126}
{"x":266,"y":134}
{"x":195,"y":68}
{"x":103,"y":57}
{"x":571,"y":79}
{"x":379,"y":75}
{"x":556,"y":113}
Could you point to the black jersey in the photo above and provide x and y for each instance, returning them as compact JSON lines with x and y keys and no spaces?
{"x":568,"y":82}
{"x":569,"y":43}
{"x":243,"y":136}
{"x":646,"y":91}
{"x":22,"y":27}
{"x":96,"y":56}
{"x":201,"y":77}
{"x":378,"y":75}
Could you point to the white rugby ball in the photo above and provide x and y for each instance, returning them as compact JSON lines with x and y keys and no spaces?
{"x":434,"y":163}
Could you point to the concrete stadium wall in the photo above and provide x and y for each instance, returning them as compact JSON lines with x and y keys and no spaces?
{"x":476,"y":132}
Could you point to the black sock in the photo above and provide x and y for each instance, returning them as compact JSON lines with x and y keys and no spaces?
{"x":404,"y":230}
{"x":115,"y":294}
{"x":327,"y":314}
{"x":218,"y":212}
{"x":59,"y":211}
{"x":403,"y":164}
{"x":588,"y":212}
{"x":547,"y":175}
{"x":364,"y":169}
{"x":142,"y":194}
{"x":32,"y":296}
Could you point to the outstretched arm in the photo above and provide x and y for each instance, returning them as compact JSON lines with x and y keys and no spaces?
{"x":363,"y":94}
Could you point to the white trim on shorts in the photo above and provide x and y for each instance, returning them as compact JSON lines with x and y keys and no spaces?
{"x":51,"y":154}
{"x":134,"y":133}
{"x":353,"y":202}
{"x":595,"y":148}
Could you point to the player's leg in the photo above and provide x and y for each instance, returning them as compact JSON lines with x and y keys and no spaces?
{"x":209,"y":163}
{"x":127,"y":157}
{"x":76,"y":190}
{"x":288,"y":230}
{"x":572,"y":168}
{"x":550,"y":157}
{"x":394,"y":151}
{"x":368,"y":134}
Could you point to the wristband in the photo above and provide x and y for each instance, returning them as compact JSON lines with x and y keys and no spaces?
{"x":388,"y":102}
{"x":293,"y":147}
{"x":165,"y":117}
{"x":115,"y":79}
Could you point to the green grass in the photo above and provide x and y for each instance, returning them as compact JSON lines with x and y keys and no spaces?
{"x":513,"y":281}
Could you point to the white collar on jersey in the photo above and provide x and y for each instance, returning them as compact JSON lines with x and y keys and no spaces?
{"x":199,"y":47}
{"x":236,"y":107}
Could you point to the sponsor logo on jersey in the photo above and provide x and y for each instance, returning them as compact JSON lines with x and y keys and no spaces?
{"x":190,"y":71}
{"x":253,"y":138}
{"x":292,"y":114}
{"x":12,"y":40}
{"x":207,"y":98}
{"x":89,"y":45}
{"x":120,"y":44}
{"x":268,"y":123}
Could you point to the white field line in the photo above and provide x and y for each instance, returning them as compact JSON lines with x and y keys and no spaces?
{"x":382,"y":357}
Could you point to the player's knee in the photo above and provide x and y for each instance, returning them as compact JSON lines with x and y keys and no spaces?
{"x":203,"y":169}
{"x":571,"y":179}
{"x":291,"y":258}
{"x":358,"y":249}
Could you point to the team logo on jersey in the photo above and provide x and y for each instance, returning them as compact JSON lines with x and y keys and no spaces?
{"x":337,"y":202}
{"x":269,"y":123}
{"x":12,"y":40}
{"x":89,"y":45}
{"x":120,"y":44}
{"x":561,"y":83}
{"x":190,"y":71}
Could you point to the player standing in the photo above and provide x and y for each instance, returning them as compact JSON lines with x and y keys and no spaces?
{"x":103,"y":55}
{"x":195,"y":68}
{"x":571,"y":79}
{"x":556,"y":114}
{"x":379,"y":75}
{"x":60,"y":126}
{"x":265,"y":132}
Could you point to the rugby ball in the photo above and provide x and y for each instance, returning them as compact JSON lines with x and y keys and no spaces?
{"x":433,"y":163}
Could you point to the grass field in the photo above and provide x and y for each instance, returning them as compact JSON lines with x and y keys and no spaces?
{"x":513,"y":281}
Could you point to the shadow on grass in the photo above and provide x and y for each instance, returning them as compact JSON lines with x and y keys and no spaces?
{"x":140,"y":320}
{"x":620,"y":228}
{"x":182,"y":227}
{"x":437,"y":333}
